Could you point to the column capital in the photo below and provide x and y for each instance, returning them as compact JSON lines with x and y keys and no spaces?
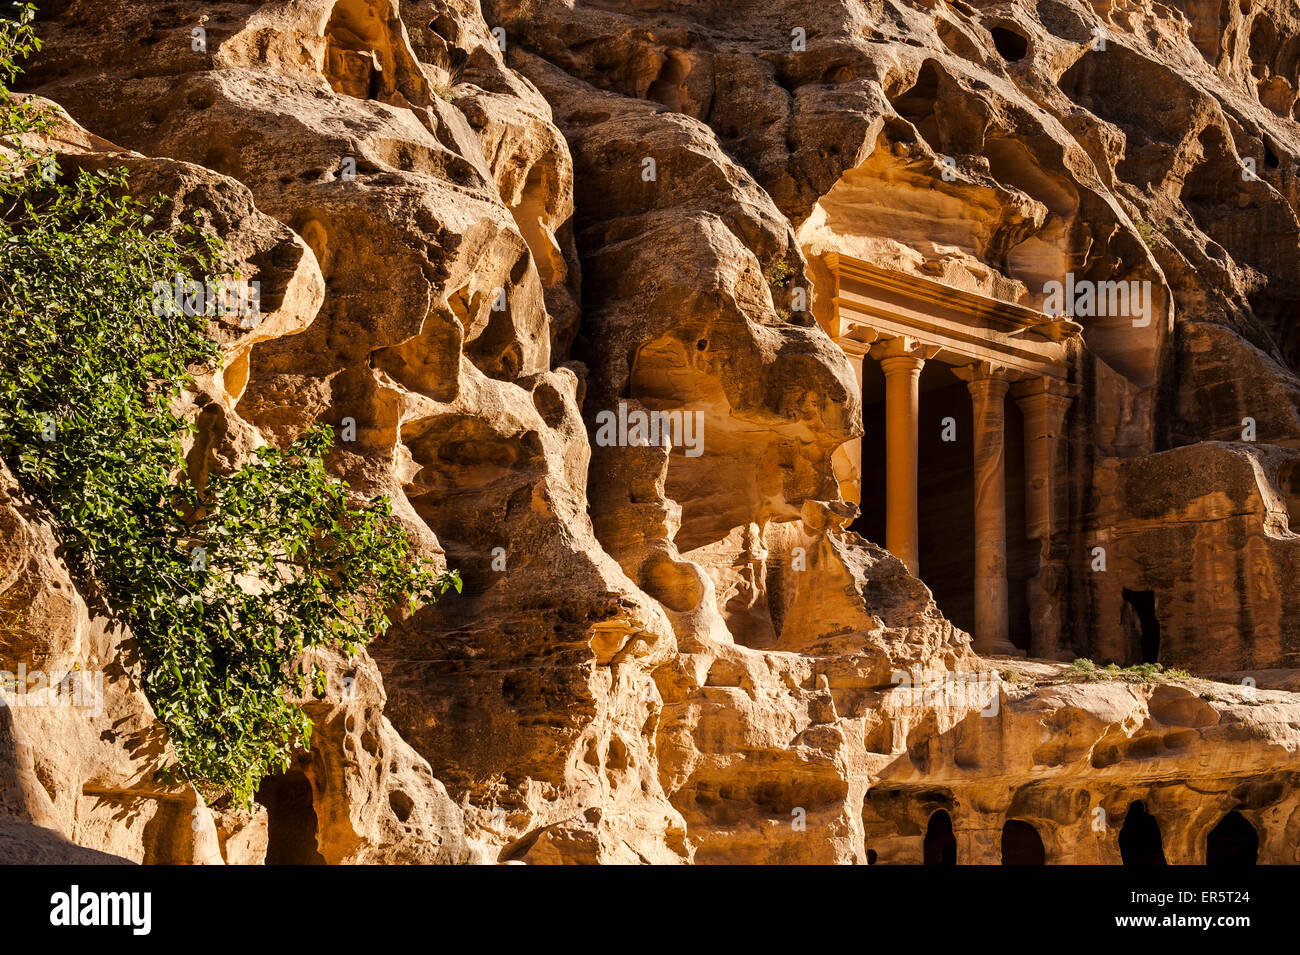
{"x":984,"y":371}
{"x":985,"y":378}
{"x":904,"y":346}
{"x":1044,"y":400}
{"x":1044,"y":387}
{"x":859,"y":346}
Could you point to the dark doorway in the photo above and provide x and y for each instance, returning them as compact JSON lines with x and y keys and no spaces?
{"x":291,"y":820}
{"x":1021,"y":844}
{"x":940,"y":843}
{"x":1141,"y":626}
{"x":1233,"y":841}
{"x":1139,"y":840}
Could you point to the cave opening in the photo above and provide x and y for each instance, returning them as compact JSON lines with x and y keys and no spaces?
{"x":1021,"y":844}
{"x":1232,"y":842}
{"x":940,"y":843}
{"x":290,"y":819}
{"x":1139,"y":840}
{"x":1011,"y":46}
{"x":1142,"y":626}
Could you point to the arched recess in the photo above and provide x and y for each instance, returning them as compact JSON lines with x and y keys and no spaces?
{"x":1021,"y":844}
{"x":1233,"y":842}
{"x":291,"y":820}
{"x":940,"y":843}
{"x":1140,"y":842}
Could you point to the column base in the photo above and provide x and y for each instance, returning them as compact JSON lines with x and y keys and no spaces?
{"x":997,"y":649}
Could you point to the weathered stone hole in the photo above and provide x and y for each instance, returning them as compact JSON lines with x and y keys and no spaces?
{"x":1021,"y":844}
{"x":872,"y":857}
{"x":291,"y":820}
{"x":1010,"y":44}
{"x":402,"y":804}
{"x":1270,"y":157}
{"x":1142,"y":625}
{"x":357,"y":51}
{"x":618,"y":758}
{"x":1139,"y":839}
{"x":669,"y":87}
{"x":940,"y":843}
{"x":917,"y":104}
{"x":1233,"y":841}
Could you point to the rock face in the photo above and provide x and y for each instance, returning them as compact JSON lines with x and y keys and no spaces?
{"x":78,"y":741}
{"x":493,"y":242}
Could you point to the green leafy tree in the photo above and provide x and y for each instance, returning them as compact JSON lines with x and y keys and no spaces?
{"x":224,"y":586}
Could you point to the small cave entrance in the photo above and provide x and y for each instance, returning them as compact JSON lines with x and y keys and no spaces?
{"x":1232,"y":842}
{"x":940,"y":843}
{"x":1021,"y":844}
{"x":291,"y":820}
{"x":1139,"y":839}
{"x":1141,"y":626}
{"x":1011,"y":46}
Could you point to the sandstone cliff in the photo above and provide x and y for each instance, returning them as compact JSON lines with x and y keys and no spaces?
{"x":477,"y":230}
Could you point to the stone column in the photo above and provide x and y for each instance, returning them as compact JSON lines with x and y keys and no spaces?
{"x":901,"y":359}
{"x":988,"y":385}
{"x":847,"y":459}
{"x":1044,"y":403}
